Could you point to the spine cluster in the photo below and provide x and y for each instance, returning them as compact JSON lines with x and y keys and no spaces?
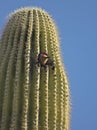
{"x":32,"y":97}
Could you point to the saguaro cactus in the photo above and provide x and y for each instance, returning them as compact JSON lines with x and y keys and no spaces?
{"x":32,"y":97}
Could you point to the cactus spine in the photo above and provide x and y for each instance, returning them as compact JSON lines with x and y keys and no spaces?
{"x":32,"y":98}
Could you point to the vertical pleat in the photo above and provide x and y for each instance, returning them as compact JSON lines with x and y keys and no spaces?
{"x":34,"y":75}
{"x":21,"y":30}
{"x":7,"y":43}
{"x":61,"y":87}
{"x":44,"y":75}
{"x":52,"y":81}
{"x":4,"y":39}
{"x":36,"y":72}
{"x":26,"y":84}
{"x":66,"y":104}
{"x":6,"y":106}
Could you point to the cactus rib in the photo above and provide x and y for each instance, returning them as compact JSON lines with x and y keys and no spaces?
{"x":18,"y":79}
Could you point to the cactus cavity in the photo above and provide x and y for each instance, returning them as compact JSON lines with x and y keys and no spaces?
{"x":32,"y":97}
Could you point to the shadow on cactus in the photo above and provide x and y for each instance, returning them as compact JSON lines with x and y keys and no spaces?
{"x":32,"y":96}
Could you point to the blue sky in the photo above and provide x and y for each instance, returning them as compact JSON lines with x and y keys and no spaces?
{"x":77,"y":25}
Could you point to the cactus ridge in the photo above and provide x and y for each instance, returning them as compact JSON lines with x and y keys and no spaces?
{"x":5,"y":81}
{"x":32,"y":97}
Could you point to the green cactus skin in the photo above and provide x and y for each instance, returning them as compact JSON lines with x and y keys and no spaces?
{"x":32,"y":98}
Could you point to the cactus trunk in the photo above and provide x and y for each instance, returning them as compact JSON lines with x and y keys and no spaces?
{"x":32,"y":97}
